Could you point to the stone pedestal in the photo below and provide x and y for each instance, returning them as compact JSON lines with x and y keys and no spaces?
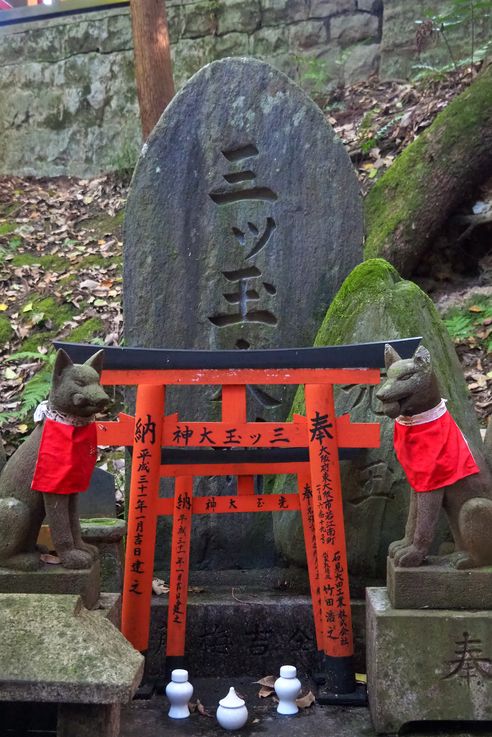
{"x":54,"y":579}
{"x":438,"y":585}
{"x":107,"y":535}
{"x":88,"y":720}
{"x":425,"y":665}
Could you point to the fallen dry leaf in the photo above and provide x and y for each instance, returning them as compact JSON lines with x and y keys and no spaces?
{"x":265,"y":692}
{"x":159,"y":587}
{"x":304,"y":702}
{"x":201,"y":709}
{"x":268,"y":681}
{"x":52,"y":560}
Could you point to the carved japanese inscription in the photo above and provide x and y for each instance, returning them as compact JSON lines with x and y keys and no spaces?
{"x":243,"y":219}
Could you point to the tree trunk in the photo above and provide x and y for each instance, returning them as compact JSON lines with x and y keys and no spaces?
{"x":431,"y":178}
{"x":153,"y":66}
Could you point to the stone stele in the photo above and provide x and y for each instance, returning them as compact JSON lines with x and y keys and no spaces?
{"x":243,"y":218}
{"x":374,"y":303}
{"x":427,"y":665}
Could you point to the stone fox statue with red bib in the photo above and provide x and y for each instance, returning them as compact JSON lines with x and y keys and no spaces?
{"x":45,"y":474}
{"x":438,"y":464}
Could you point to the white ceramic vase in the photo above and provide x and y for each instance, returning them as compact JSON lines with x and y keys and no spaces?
{"x":179,"y":692}
{"x":287,"y":688}
{"x":232,"y":712}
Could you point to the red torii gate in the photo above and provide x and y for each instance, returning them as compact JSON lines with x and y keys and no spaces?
{"x":308,"y":446}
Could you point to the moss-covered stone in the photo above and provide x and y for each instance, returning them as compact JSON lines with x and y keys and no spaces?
{"x":430,"y":176}
{"x":6,"y":330}
{"x":374,"y":303}
{"x":55,"y":650}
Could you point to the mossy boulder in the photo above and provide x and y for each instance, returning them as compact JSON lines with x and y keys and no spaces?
{"x":375,"y":303}
{"x":430,"y":179}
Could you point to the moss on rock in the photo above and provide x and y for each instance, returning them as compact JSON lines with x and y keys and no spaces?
{"x":427,"y":180}
{"x":374,"y":304}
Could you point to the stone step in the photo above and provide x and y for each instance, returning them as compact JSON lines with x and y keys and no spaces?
{"x":242,"y":631}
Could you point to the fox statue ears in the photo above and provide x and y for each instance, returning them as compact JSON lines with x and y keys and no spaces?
{"x":421,"y":356}
{"x":63,"y":361}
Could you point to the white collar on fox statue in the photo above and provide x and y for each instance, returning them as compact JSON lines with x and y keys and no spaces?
{"x":45,"y":411}
{"x":428,"y":416}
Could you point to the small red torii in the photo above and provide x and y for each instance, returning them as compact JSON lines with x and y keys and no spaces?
{"x":308,"y":446}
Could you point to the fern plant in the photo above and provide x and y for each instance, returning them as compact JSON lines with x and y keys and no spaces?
{"x":36,"y":390}
{"x":463,"y":14}
{"x":471,"y":321}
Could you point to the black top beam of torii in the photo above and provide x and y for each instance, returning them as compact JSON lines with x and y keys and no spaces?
{"x":357,"y":355}
{"x":361,"y":355}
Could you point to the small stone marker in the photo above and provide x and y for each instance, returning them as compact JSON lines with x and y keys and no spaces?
{"x":100,"y":498}
{"x":243,"y":218}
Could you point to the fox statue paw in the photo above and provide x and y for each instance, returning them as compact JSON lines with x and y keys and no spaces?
{"x":75,"y":559}
{"x":410,"y":556}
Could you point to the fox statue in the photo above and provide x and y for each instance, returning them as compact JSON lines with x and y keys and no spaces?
{"x":45,"y":474}
{"x":438,"y":464}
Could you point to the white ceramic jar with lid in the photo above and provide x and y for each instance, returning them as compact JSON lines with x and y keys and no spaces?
{"x":287,"y":688}
{"x":179,"y":692}
{"x":232,"y":712}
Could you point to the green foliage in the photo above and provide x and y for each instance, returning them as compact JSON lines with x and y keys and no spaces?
{"x":470,"y":322}
{"x":6,"y":330}
{"x":11,"y":247}
{"x":313,"y":74}
{"x":124,"y":161}
{"x":467,"y":17}
{"x":37,"y":388}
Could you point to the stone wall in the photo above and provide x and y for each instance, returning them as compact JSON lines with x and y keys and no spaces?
{"x":67,"y":91}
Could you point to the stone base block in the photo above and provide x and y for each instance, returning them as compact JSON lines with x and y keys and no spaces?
{"x":54,"y":579}
{"x":88,"y":720}
{"x":432,"y":665}
{"x":109,"y":607}
{"x":437,"y":585}
{"x":234,"y":632}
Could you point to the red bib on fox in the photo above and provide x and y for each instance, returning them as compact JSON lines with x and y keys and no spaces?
{"x":66,"y":459}
{"x":432,"y":449}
